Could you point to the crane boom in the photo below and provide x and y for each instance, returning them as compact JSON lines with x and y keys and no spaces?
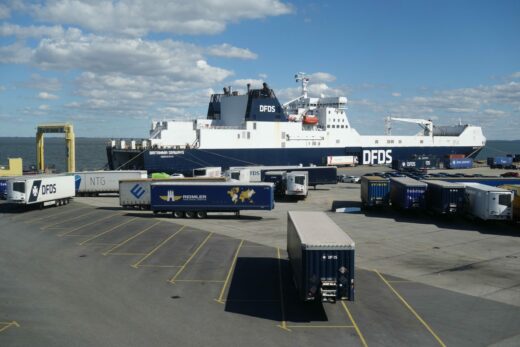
{"x":427,"y":125}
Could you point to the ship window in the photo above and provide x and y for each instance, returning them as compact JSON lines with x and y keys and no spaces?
{"x":238,"y":136}
{"x":342,"y":126}
{"x":283,"y":144}
{"x":337,"y":141}
{"x":254,"y":126}
{"x":328,"y":125}
{"x":283,"y":135}
{"x":248,"y":135}
{"x":421,"y":141}
{"x":400,"y":141}
{"x":377,"y":141}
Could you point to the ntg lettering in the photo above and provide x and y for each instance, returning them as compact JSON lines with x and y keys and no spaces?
{"x":377,"y":156}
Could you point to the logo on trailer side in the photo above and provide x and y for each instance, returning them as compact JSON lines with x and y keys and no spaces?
{"x":137,"y":191}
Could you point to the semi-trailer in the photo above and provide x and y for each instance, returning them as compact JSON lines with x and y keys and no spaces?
{"x":3,"y":187}
{"x":456,"y":163}
{"x":342,"y":160}
{"x":490,"y":181}
{"x":136,"y":193}
{"x":487,"y":202}
{"x":40,"y":190}
{"x":210,"y":171}
{"x":375,"y":191}
{"x":196,"y":199}
{"x":321,"y":255}
{"x":317,"y":174}
{"x":500,"y":162}
{"x":445,"y":197}
{"x":415,"y":164}
{"x":407,"y":193}
{"x":91,"y":183}
{"x":238,"y":175}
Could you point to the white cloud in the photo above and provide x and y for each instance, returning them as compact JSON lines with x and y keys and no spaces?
{"x":396,"y":94}
{"x":516,"y":75}
{"x":318,"y":77}
{"x":2,"y":88}
{"x":140,"y":17}
{"x":228,"y":51}
{"x":242,"y":83}
{"x":16,"y":53}
{"x":43,"y":107}
{"x":4,"y":12}
{"x":50,"y":84}
{"x":47,"y":96}
{"x":492,"y":112}
{"x":8,"y":29}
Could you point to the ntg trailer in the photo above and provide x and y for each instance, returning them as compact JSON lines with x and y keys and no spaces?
{"x":96,"y":182}
{"x":375,"y":191}
{"x":321,"y":257}
{"x":196,"y":199}
{"x":445,"y":197}
{"x":40,"y":190}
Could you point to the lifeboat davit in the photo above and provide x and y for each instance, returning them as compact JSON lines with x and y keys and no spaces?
{"x":310,"y":119}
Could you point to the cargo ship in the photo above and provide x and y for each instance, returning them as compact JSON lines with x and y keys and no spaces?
{"x":254,"y":128}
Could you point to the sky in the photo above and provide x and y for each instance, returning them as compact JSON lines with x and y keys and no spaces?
{"x":110,"y":67}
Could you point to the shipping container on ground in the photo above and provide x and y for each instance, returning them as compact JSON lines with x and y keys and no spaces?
{"x":321,"y":257}
{"x":96,"y":182}
{"x":375,"y":191}
{"x":500,"y":162}
{"x":488,"y":203}
{"x":407,"y":193}
{"x":40,"y":190}
{"x":196,"y":199}
{"x":136,"y":193}
{"x":445,"y":197}
{"x":465,"y":163}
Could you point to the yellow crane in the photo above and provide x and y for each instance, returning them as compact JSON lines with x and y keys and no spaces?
{"x":58,"y":128}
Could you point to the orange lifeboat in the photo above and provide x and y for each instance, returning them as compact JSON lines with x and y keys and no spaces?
{"x":310,"y":119}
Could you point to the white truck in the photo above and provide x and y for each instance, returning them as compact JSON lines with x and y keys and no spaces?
{"x":41,"y":190}
{"x":213,"y":171}
{"x":487,"y":202}
{"x":289,"y":184}
{"x":90,"y":183}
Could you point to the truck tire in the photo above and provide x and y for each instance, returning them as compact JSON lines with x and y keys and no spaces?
{"x":201,"y":214}
{"x":178,"y":214}
{"x":189,"y":214}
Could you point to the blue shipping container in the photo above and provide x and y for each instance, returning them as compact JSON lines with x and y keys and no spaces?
{"x":445,"y":197}
{"x":465,"y":163}
{"x":3,"y":187}
{"x":211,"y":197}
{"x":407,"y":193}
{"x":499,"y":161}
{"x":375,"y":191}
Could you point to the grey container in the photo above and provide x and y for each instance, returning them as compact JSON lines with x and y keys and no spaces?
{"x":321,"y":256}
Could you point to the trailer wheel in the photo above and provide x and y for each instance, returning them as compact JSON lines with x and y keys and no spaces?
{"x":189,"y":214}
{"x":201,"y":214}
{"x":178,"y":214}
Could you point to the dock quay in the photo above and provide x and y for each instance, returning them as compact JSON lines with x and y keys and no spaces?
{"x":91,"y":273}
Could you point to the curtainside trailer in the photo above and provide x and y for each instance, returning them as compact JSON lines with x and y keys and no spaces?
{"x":96,"y":182}
{"x":40,"y":190}
{"x":196,"y":199}
{"x":375,"y":191}
{"x":321,"y":257}
{"x":136,"y":193}
{"x":445,"y":197}
{"x":407,"y":193}
{"x":488,"y":203}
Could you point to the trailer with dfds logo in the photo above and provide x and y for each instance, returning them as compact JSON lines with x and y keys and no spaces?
{"x":42,"y":190}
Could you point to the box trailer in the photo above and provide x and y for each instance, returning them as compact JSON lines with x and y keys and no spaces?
{"x":445,"y":197}
{"x":136,"y":193}
{"x":455,"y":163}
{"x":317,"y":174}
{"x":238,"y":175}
{"x":196,"y":199}
{"x":500,"y":162}
{"x":95,"y":182}
{"x":42,"y":190}
{"x":407,"y":193}
{"x":213,"y":171}
{"x":3,"y":186}
{"x":487,"y":202}
{"x":321,"y":257}
{"x":415,"y":164}
{"x":516,"y":200}
{"x":375,"y":191}
{"x":342,"y":160}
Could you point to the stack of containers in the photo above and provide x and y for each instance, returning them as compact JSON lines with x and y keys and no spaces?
{"x":375,"y":191}
{"x":445,"y":197}
{"x":407,"y":193}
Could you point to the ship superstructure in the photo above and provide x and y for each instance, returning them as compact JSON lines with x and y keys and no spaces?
{"x":255,"y":129}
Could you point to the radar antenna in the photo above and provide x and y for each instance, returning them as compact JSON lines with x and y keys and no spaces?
{"x":302,"y":77}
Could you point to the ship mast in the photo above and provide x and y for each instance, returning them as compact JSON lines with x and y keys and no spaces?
{"x":302,"y":77}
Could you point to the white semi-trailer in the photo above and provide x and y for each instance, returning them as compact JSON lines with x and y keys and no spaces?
{"x":42,"y":190}
{"x":96,"y":182}
{"x":487,"y":202}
